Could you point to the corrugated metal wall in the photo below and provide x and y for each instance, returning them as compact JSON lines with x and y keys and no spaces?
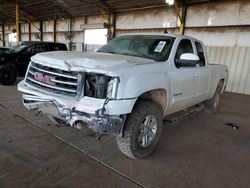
{"x":238,"y":61}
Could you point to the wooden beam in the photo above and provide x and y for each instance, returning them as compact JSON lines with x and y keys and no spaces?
{"x":54,"y":30}
{"x":184,"y":17}
{"x":29,"y":31}
{"x":114,"y":25}
{"x":3,"y":33}
{"x":20,"y":32}
{"x":17,"y":22}
{"x":41,"y":30}
{"x":70,"y":35}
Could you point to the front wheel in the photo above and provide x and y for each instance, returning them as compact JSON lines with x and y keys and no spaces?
{"x":142,"y":130}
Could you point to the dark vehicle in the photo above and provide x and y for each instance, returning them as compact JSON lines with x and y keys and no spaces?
{"x":3,"y":49}
{"x":14,"y":62}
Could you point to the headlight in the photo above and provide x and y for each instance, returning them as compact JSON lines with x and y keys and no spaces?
{"x":113,"y":88}
{"x":100,"y":86}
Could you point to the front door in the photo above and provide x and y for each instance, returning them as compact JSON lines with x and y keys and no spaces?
{"x":184,"y":80}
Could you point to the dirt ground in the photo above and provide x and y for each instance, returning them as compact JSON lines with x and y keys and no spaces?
{"x":203,"y":150}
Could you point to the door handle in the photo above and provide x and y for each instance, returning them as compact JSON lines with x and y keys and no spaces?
{"x":196,"y":74}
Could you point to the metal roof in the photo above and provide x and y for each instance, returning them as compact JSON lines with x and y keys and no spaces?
{"x":37,"y":10}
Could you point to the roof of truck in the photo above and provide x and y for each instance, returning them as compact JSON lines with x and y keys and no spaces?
{"x":164,"y":34}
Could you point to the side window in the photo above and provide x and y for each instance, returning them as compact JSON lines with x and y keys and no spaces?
{"x":185,"y":46}
{"x":201,"y":54}
{"x":37,"y":48}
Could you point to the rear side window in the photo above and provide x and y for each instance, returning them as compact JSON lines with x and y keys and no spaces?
{"x":185,"y":46}
{"x":201,"y":54}
{"x":36,"y":48}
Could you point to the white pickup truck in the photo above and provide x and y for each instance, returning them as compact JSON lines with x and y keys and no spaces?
{"x":125,"y":88}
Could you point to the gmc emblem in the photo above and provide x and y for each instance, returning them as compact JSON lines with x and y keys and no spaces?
{"x":43,"y":78}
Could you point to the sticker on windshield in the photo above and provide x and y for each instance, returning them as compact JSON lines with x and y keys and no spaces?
{"x":160,"y":46}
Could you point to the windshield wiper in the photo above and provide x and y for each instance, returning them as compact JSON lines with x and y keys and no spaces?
{"x":137,"y":55}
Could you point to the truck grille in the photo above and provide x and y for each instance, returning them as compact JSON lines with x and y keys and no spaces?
{"x":52,"y":79}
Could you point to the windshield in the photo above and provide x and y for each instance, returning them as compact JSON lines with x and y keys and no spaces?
{"x":17,"y":48}
{"x":154,"y":47}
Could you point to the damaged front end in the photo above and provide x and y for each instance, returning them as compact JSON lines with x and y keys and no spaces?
{"x":75,"y":98}
{"x":99,"y":122}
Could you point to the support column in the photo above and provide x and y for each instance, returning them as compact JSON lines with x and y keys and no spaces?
{"x":114,"y":25}
{"x":184,"y":17}
{"x":41,"y":31}
{"x":20,"y":33}
{"x":70,"y":34}
{"x":29,"y":31}
{"x":17,"y":22}
{"x":54,"y":30}
{"x":84,"y":48}
{"x":3,"y":32}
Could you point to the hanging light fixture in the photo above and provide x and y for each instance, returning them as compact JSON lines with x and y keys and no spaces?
{"x":170,"y":2}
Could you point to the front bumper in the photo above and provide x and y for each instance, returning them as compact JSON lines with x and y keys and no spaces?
{"x":100,"y":115}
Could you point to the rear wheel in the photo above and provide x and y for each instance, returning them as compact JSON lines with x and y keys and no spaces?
{"x":142,"y":130}
{"x":211,"y":105}
{"x":8,"y":75}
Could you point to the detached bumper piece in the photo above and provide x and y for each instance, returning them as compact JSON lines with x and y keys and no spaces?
{"x":100,"y":123}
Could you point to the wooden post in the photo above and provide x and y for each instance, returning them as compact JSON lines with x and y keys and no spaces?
{"x":29,"y":31}
{"x":41,"y":31}
{"x":17,"y":22}
{"x":54,"y":30}
{"x":3,"y":32}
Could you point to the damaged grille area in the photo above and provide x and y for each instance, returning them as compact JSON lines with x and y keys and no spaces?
{"x":52,"y":79}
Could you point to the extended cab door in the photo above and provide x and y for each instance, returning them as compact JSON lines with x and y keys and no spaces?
{"x":183,"y":80}
{"x":204,"y":72}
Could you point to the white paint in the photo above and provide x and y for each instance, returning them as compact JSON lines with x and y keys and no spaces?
{"x":189,"y":56}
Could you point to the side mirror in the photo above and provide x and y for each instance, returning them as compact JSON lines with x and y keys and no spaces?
{"x":187,"y":60}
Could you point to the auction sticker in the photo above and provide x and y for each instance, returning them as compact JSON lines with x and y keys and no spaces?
{"x":160,"y":46}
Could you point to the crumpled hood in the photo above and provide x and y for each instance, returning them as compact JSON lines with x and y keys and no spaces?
{"x":87,"y":60}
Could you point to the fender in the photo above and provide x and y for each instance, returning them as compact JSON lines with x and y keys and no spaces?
{"x":140,"y":79}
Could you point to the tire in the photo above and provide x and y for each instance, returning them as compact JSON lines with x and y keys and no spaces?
{"x":8,"y":75}
{"x":133,"y":142}
{"x":211,"y":105}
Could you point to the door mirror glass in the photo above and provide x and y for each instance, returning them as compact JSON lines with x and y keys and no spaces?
{"x":187,"y":60}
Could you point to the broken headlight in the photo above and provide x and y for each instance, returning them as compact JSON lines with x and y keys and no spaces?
{"x":100,"y":86}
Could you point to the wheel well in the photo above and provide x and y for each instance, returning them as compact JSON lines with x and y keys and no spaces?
{"x":158,"y":96}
